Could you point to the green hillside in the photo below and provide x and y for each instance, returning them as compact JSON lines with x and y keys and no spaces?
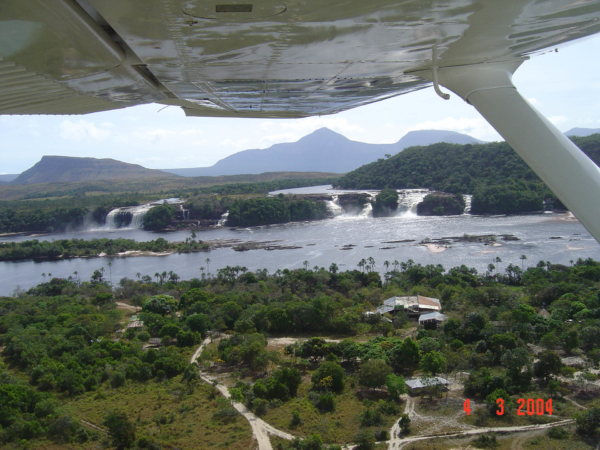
{"x":51,"y":169}
{"x":496,"y":176}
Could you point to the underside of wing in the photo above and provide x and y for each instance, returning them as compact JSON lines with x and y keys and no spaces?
{"x":258,"y":58}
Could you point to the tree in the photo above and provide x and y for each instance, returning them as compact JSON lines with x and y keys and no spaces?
{"x":522,"y":258}
{"x":518,"y":368}
{"x":170,"y":329}
{"x":570,"y":340}
{"x":373,"y":373}
{"x":199,"y":323}
{"x":121,"y":430}
{"x":333,"y":268}
{"x":365,"y":440}
{"x":207,"y":261}
{"x":160,"y":304}
{"x":329,"y":369}
{"x":158,"y":217}
{"x":404,"y":423}
{"x":492,"y":401}
{"x":588,"y":421}
{"x":396,"y":386}
{"x":103,"y":298}
{"x":433,"y":363}
{"x":406,"y":356}
{"x":549,"y":364}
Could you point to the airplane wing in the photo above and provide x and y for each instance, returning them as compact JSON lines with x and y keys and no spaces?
{"x":258,"y":58}
{"x":298,"y":58}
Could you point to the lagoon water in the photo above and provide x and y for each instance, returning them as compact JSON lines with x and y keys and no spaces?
{"x":321,"y":244}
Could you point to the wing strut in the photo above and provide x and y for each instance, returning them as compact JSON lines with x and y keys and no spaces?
{"x":566,"y":170}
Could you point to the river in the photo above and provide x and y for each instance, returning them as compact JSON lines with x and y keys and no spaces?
{"x":321,"y":244}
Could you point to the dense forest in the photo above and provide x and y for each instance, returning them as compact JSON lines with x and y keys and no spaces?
{"x":271,"y":210}
{"x":493,"y":173}
{"x":65,"y":346}
{"x":439,"y":204}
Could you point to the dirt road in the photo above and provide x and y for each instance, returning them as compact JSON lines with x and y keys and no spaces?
{"x":260,"y":428}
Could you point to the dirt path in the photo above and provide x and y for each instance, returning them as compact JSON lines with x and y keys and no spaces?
{"x":91,"y":425}
{"x":129,"y":307}
{"x":401,"y":443}
{"x":260,"y":428}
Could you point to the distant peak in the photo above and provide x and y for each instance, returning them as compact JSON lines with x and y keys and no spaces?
{"x":323,"y":133}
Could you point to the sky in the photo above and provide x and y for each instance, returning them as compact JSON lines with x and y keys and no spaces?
{"x":564,"y":86}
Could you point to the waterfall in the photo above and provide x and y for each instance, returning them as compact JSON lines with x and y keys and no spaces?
{"x":223,"y":219}
{"x":408,"y":201}
{"x":468,"y":199}
{"x":131,"y":217}
{"x":333,"y":206}
{"x":367,"y":211}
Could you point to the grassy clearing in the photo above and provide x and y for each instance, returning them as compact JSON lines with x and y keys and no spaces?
{"x":170,"y":412}
{"x":339,"y":426}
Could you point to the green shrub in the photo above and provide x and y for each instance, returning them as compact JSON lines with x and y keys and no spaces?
{"x":558,"y":433}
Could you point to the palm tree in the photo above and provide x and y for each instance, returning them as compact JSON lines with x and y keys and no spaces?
{"x":110,"y":271}
{"x":396,"y":264}
{"x":361,"y":264}
{"x":157,"y":276}
{"x":491,"y":268}
{"x":207,"y":261}
{"x":386,"y":264}
{"x":333,"y":268}
{"x":49,"y":275}
{"x":202,"y":270}
{"x":138,"y":275}
{"x":305,"y":264}
{"x":371,"y":263}
{"x":522,"y":258}
{"x":163,"y":276}
{"x":44,"y":275}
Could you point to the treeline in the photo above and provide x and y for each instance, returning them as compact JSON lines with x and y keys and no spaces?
{"x":73,"y":248}
{"x":272,"y":210}
{"x":60,"y":215}
{"x":267,"y":186}
{"x":493,"y":173}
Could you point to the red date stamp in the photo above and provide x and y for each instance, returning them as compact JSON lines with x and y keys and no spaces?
{"x":529,"y":407}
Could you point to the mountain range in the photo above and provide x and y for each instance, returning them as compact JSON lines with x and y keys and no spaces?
{"x":71,"y":169}
{"x":321,"y":151}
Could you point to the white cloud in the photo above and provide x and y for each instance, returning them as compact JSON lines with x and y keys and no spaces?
{"x":81,"y":131}
{"x":533,"y":101}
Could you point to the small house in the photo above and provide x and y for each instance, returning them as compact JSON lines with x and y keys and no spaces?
{"x":411,"y":305}
{"x":431,"y":321}
{"x":420,"y":385}
{"x":136,"y":324}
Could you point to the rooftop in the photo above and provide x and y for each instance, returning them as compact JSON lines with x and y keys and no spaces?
{"x":419,"y":383}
